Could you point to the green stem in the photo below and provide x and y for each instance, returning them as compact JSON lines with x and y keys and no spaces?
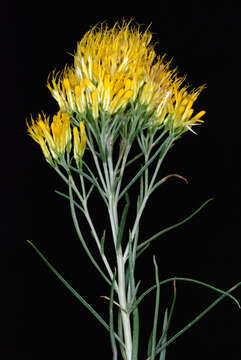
{"x":110,"y":181}
{"x":132,"y":297}
{"x":112,"y":332}
{"x":76,"y":224}
{"x":122,"y":169}
{"x":99,"y":170}
{"x":123,"y":303}
{"x":148,"y":189}
{"x":136,"y":177}
{"x":92,"y":228}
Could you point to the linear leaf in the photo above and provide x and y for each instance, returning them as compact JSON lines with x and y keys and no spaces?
{"x":112,"y":332}
{"x":92,"y":180}
{"x":135,"y":334}
{"x":133,"y":290}
{"x":197,"y":318}
{"x":120,"y":333}
{"x":183,"y":279}
{"x":102,"y":243}
{"x":164,"y":333}
{"x":67,"y":197}
{"x":163,"y":352}
{"x":156,"y":312}
{"x":73,"y":291}
{"x":144,"y":243}
{"x":166,"y":142}
{"x":149,"y":345}
{"x":123,"y":221}
{"x":76,"y":224}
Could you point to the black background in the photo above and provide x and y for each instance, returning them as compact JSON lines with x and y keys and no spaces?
{"x":40,"y":317}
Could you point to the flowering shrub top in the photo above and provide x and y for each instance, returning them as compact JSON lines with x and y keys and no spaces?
{"x":116,"y":77}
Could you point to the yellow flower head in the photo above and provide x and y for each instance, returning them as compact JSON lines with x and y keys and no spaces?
{"x":114,"y":67}
{"x":79,"y":142}
{"x":109,"y":69}
{"x":54,"y":139}
{"x":61,"y":133}
{"x":181,"y":107}
{"x":36,"y":131}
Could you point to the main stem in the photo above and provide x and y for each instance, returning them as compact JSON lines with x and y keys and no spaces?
{"x":121,"y":281}
{"x":113,"y":213}
{"x":123,"y":304}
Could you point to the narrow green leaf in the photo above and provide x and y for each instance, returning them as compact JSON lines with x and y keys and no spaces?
{"x":183,"y":279}
{"x":164,"y":339}
{"x":164,"y":333}
{"x":158,"y":152}
{"x":149,"y":345}
{"x":63,"y":177}
{"x":138,"y":253}
{"x":94,"y":128}
{"x":101,"y":191}
{"x":141,"y":144}
{"x":112,"y":332}
{"x":81,"y":172}
{"x":133,"y":298}
{"x":73,"y":291}
{"x":131,"y":268}
{"x":144,"y":243}
{"x":123,"y":149}
{"x":133,"y":159}
{"x":141,"y":194}
{"x":92,"y":180}
{"x":120,"y":334}
{"x":133,"y":290}
{"x":76,"y":225}
{"x":156,"y":313}
{"x":123,"y":221}
{"x":197,"y":318}
{"x":102,"y":243}
{"x":90,"y":191}
{"x":67,"y":197}
{"x":135,"y":128}
{"x":135,"y":336}
{"x":115,"y":125}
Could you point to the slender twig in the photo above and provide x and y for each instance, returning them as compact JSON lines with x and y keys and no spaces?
{"x":76,"y":224}
{"x":123,"y":167}
{"x":91,"y":225}
{"x":148,"y":190}
{"x":97,"y":165}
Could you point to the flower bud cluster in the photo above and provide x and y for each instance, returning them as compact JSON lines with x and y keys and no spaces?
{"x":55,"y":139}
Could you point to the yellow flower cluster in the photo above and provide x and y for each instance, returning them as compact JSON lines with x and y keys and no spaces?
{"x":80,"y":140}
{"x":56,"y":138}
{"x":114,"y":67}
